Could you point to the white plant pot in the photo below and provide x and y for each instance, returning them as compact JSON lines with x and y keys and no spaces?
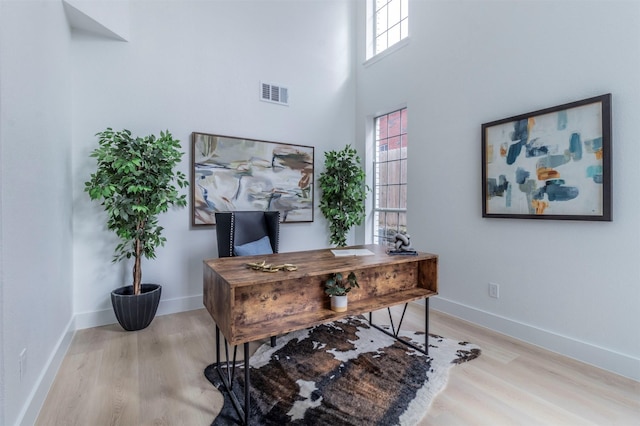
{"x":339,"y":303}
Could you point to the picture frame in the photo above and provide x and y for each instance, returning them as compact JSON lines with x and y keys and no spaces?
{"x":233,"y":174}
{"x":553,"y":163}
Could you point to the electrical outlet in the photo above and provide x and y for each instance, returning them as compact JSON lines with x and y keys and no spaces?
{"x":494,"y":290}
{"x":23,"y":363}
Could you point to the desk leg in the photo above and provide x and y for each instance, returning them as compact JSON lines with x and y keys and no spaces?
{"x":227,"y":379}
{"x":217,"y":344}
{"x":395,"y":332}
{"x":426,"y":325}
{"x":247,"y":385}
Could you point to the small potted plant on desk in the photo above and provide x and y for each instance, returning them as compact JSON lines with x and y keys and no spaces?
{"x":337,"y":287}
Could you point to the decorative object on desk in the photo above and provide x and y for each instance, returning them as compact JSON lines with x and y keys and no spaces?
{"x":402,"y":245}
{"x":553,"y":163}
{"x":343,"y":193}
{"x":135,"y":180}
{"x":337,"y":287}
{"x":236,"y":174}
{"x":357,"y":376}
{"x":266,"y":267}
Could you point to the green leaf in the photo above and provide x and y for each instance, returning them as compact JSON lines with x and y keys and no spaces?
{"x":344,"y":192}
{"x":136,"y":179}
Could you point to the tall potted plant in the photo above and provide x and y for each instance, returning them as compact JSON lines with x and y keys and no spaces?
{"x":343,"y":193}
{"x":135,"y":180}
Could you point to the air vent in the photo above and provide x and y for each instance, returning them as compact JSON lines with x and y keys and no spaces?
{"x":274,"y":93}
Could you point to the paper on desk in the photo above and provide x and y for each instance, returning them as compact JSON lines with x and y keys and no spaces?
{"x":352,"y":252}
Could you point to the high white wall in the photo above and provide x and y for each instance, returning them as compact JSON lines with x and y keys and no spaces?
{"x":35,"y":198}
{"x":187,"y":66}
{"x":570,"y":286}
{"x":196,"y":66}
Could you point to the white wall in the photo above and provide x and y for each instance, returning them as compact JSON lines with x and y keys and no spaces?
{"x":35,"y":170}
{"x":196,"y":66}
{"x":571,"y":286}
{"x":187,"y":66}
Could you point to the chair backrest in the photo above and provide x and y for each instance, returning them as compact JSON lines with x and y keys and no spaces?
{"x":241,"y":227}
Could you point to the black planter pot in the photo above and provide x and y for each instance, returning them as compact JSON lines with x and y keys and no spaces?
{"x":135,"y":312}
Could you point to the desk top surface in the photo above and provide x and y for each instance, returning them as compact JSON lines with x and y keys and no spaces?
{"x":310,"y":263}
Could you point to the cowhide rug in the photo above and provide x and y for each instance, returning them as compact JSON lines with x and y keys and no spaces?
{"x":343,"y":373}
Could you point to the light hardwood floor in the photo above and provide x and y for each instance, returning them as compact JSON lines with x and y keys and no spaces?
{"x":155,"y":377}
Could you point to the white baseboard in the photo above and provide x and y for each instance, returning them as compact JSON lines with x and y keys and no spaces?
{"x":166,"y":307}
{"x":597,"y":356}
{"x":31,"y":409}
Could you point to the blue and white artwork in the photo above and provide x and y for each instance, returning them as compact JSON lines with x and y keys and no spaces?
{"x":550,"y":164}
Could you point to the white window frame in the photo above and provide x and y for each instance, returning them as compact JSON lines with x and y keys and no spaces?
{"x":401,"y":25}
{"x":373,"y":236}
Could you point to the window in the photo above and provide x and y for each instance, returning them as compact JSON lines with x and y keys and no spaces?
{"x":391,"y":20}
{"x":390,"y":176}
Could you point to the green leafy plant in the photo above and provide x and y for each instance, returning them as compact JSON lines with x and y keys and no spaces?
{"x":343,"y":193}
{"x":337,"y":285}
{"x":135,"y":181}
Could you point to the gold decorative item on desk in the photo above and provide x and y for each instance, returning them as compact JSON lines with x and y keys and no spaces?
{"x":265,"y":267}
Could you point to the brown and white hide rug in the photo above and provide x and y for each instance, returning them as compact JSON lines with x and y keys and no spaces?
{"x":343,"y":373}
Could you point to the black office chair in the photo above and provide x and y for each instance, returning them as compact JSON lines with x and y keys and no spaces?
{"x":242,"y":232}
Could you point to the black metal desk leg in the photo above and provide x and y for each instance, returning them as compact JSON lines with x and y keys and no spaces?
{"x":247,"y":385}
{"x":426,"y":325}
{"x":217,"y":344}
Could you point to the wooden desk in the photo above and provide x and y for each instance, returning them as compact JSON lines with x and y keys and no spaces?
{"x":249,"y":305}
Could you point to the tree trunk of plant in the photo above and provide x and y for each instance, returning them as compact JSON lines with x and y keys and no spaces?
{"x":137,"y":276}
{"x":137,"y":270}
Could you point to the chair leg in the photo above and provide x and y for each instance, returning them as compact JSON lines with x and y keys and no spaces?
{"x":273,"y":341}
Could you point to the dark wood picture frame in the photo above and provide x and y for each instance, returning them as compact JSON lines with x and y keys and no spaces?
{"x":554,"y":163}
{"x":232,"y":174}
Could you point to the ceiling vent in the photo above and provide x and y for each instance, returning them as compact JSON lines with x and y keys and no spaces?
{"x":274,"y":93}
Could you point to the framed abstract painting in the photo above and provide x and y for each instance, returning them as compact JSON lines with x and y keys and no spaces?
{"x":232,"y":174}
{"x":553,"y":163}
